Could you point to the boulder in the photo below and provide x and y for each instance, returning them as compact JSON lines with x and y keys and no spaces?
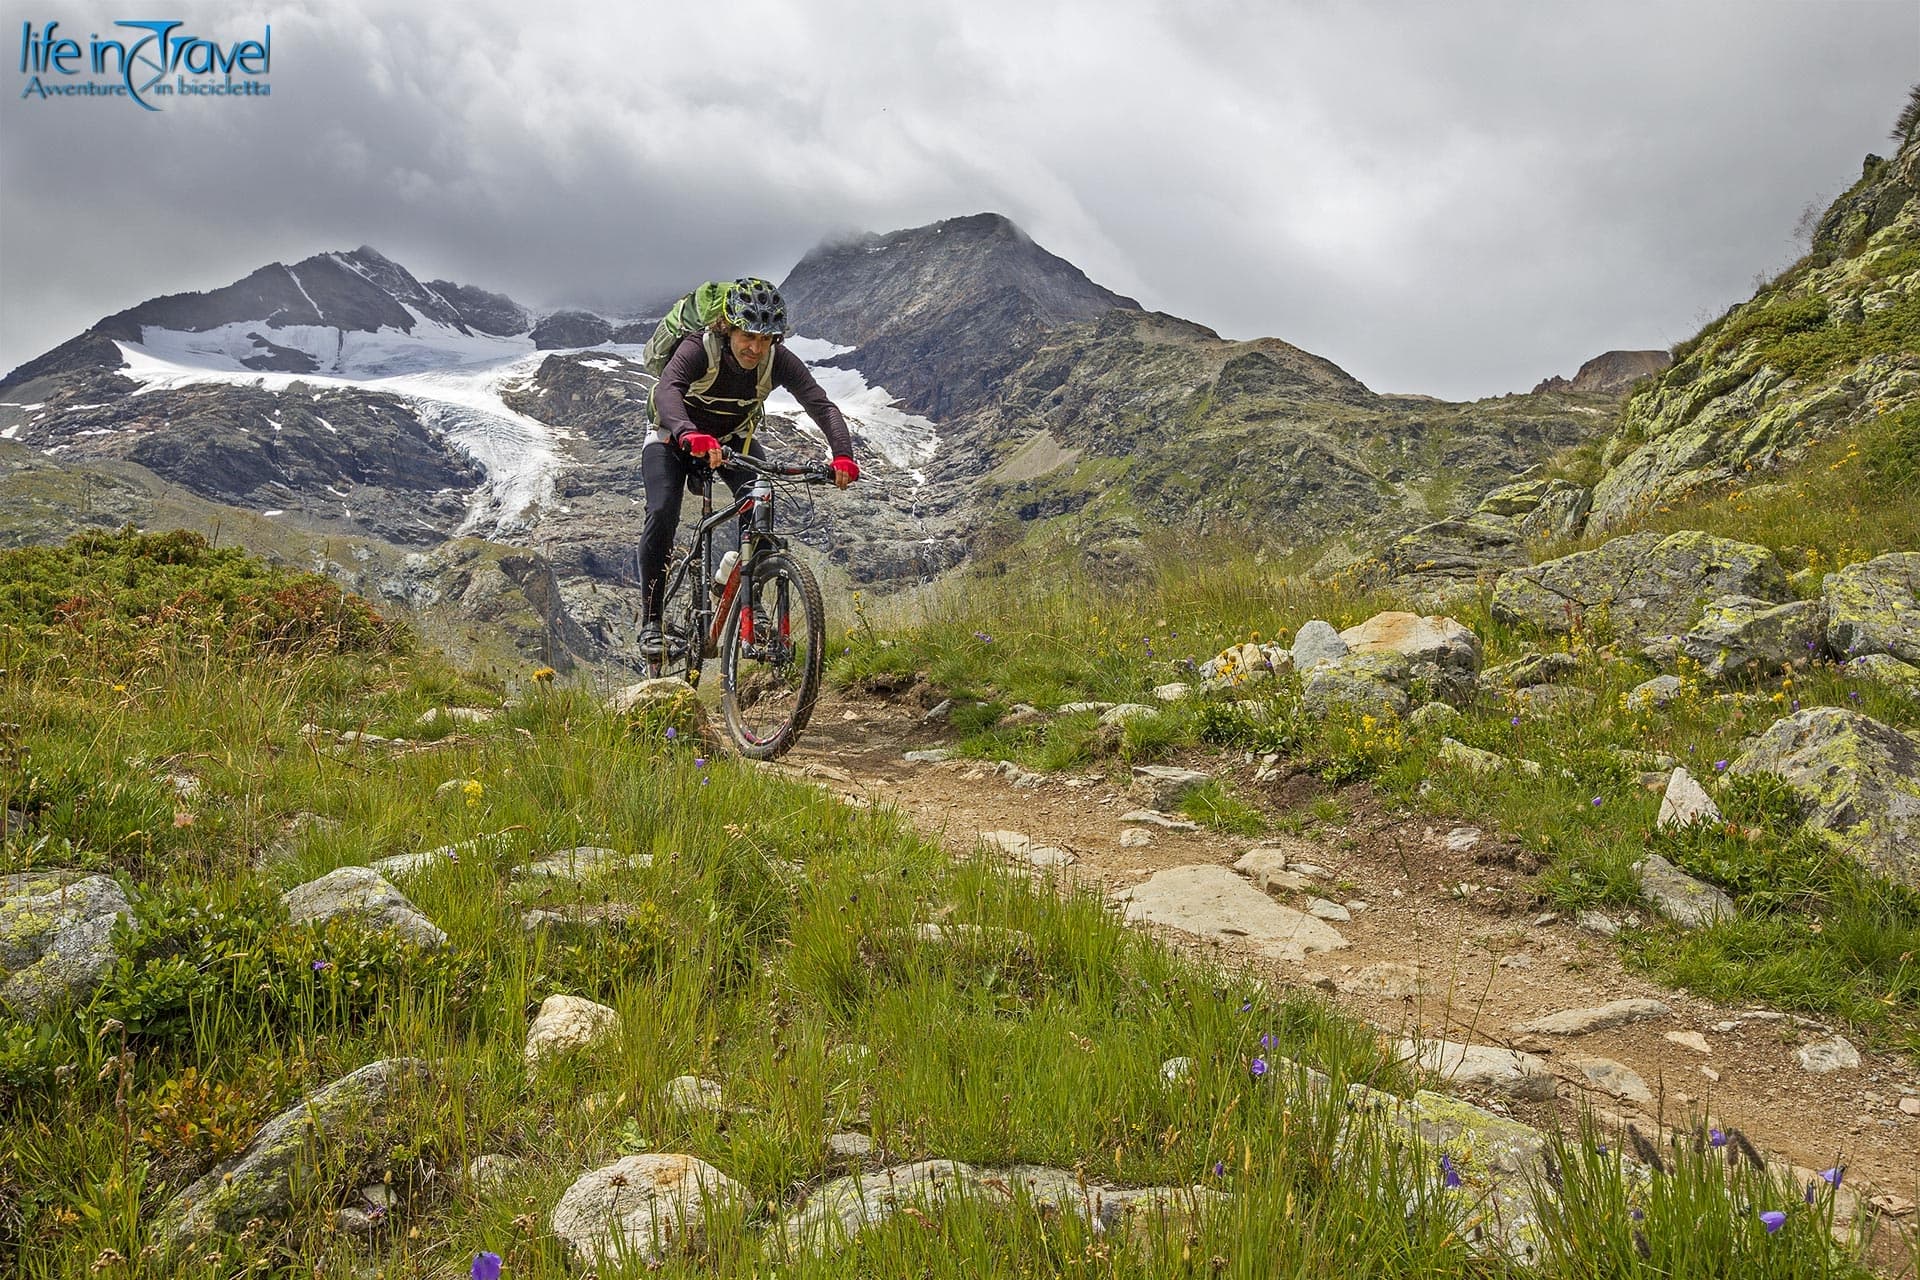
{"x":1215,"y":903}
{"x":1538,"y":510}
{"x":308,"y":1144}
{"x":363,"y":894}
{"x":1824,"y":1057}
{"x":566,"y":1024}
{"x":1438,"y":650}
{"x":1316,"y":642}
{"x":1741,"y":638}
{"x":693,"y":1093}
{"x":1638,"y":588}
{"x":56,"y":937}
{"x":1688,"y":902}
{"x":1474,"y":760}
{"x":1580,"y":1022}
{"x":1860,"y":779}
{"x":667,"y":702}
{"x":1359,"y":684}
{"x":1247,"y":663}
{"x":1434,"y":717}
{"x":1875,"y":607}
{"x":641,"y":1208}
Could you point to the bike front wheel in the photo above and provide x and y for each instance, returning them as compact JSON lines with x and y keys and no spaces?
{"x":772,"y":650}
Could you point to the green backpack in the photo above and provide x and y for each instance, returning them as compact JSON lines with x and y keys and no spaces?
{"x":691,"y":314}
{"x":695,"y":314}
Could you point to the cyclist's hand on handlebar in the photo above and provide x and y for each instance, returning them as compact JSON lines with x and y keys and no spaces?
{"x":845,"y":472}
{"x":698,"y":443}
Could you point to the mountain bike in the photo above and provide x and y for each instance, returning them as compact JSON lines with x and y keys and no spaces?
{"x":757,"y":611}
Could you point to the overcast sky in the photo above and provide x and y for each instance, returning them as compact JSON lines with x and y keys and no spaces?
{"x":1455,"y":198}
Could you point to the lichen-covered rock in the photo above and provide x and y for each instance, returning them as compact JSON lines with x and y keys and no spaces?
{"x":641,"y":1208}
{"x":1247,"y":663}
{"x":56,"y":937}
{"x":1534,"y":668}
{"x":1861,"y":781}
{"x":1685,"y":802}
{"x":1163,"y":786}
{"x":363,"y":894}
{"x":310,"y":1143}
{"x":1359,"y":684}
{"x":1638,"y":588}
{"x":1434,"y":717}
{"x":1547,"y":701}
{"x":664,"y":703}
{"x":839,"y":1211}
{"x":1740,"y":638}
{"x":566,"y":1024}
{"x":1688,"y":902}
{"x":1875,"y":607}
{"x":1885,"y":669}
{"x":1539,"y":509}
{"x":1501,"y":1163}
{"x":1438,"y":650}
{"x":1474,"y":760}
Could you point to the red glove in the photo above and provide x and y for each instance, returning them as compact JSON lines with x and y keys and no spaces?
{"x":699,"y":442}
{"x":848,"y":468}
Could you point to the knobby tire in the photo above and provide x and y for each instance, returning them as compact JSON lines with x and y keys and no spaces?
{"x":770,"y":683}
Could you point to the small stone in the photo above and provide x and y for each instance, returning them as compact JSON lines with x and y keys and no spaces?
{"x":1173,"y":692}
{"x":1690,"y":1040}
{"x":1174,"y":1070}
{"x":1388,"y":980}
{"x":849,"y":1146}
{"x":1135,"y":838}
{"x":641,"y":1208}
{"x":491,"y":1173}
{"x":1546,"y":918}
{"x":1126,"y":711}
{"x":1686,"y":803}
{"x":1461,"y":839}
{"x":1710,"y":1074}
{"x":1519,"y":960}
{"x":692,"y":1093}
{"x":938,"y":712}
{"x":1475,"y":1066}
{"x":932,"y":755}
{"x":1597,"y":922}
{"x":1688,"y":902}
{"x":363,"y":894}
{"x":1822,"y":1057}
{"x":1355,"y":905}
{"x":1322,"y":909}
{"x":567,"y":1024}
{"x":1910,"y":1106}
{"x":1165,"y":821}
{"x":1163,"y":787}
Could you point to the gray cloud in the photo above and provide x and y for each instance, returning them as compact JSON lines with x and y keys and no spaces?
{"x":1457,"y":199}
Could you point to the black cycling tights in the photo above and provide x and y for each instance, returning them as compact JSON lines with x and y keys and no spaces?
{"x":664,"y":469}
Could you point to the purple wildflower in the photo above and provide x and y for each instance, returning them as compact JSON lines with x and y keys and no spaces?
{"x":983,"y":637}
{"x":486,"y":1266}
{"x":1716,"y":1139}
{"x":1219,"y":1168}
{"x":705,"y":780}
{"x":1246,"y":1006}
{"x":1596,"y":802}
{"x":1637,"y":1214}
{"x":1719,"y":766}
{"x":321,"y":966}
{"x":1267,"y":1041}
{"x":1854,"y":694}
{"x":1796,"y":704}
{"x":1449,"y":1175}
{"x":1259,"y":1066}
{"x":1773,"y":1220}
{"x":1515,"y":721}
{"x":699,"y":762}
{"x":1832,"y":1176}
{"x":672,"y":733}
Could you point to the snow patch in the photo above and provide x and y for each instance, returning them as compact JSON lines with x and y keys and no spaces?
{"x":907,"y":440}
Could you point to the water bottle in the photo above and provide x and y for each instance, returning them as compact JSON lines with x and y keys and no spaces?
{"x":725,"y":571}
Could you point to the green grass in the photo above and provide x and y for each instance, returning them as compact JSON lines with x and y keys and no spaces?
{"x":768,"y":946}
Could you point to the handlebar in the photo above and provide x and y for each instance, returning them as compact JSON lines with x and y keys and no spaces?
{"x":779,"y":468}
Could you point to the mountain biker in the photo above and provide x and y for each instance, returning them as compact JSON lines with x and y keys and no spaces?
{"x":691,"y":421}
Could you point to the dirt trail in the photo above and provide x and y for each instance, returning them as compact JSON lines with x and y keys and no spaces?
{"x":1491,"y":961}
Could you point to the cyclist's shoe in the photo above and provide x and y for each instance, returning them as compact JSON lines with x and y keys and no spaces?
{"x":653,"y":642}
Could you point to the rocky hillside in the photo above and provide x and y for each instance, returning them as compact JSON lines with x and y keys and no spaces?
{"x":941,"y":314}
{"x":1830,"y":345}
{"x":1610,"y":372}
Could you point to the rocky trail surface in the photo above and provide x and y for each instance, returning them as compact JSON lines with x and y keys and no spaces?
{"x":1427,"y":929}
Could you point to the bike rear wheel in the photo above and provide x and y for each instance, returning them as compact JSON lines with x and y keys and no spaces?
{"x":772,"y":650}
{"x":679,"y":621}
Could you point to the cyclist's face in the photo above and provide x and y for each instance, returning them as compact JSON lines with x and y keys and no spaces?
{"x":750,"y":348}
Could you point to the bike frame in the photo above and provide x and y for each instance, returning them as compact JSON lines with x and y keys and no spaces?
{"x":710,"y":616}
